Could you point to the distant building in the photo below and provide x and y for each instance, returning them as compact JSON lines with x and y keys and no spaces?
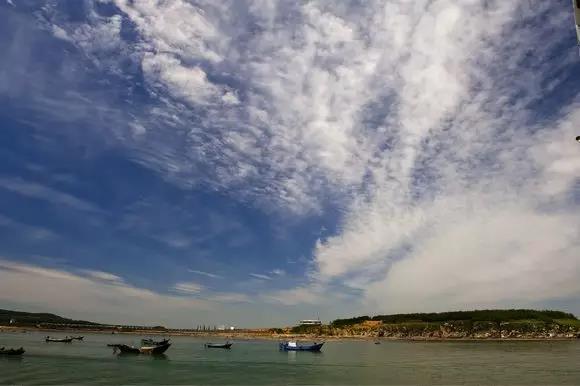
{"x":310,"y":322}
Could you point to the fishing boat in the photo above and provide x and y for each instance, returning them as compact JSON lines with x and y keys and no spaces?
{"x":77,"y":337}
{"x":11,"y":351}
{"x":226,"y":345}
{"x":60,"y":340}
{"x":293,"y":346}
{"x":151,"y":342}
{"x":152,"y":350}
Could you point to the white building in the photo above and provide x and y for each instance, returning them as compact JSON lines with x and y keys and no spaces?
{"x":310,"y":322}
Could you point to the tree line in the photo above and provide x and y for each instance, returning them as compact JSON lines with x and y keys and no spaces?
{"x":476,"y":315}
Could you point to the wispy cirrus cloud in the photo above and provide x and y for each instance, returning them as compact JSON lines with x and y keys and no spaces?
{"x":260,"y":276}
{"x":188,"y":287}
{"x":41,"y":192}
{"x":207,"y":274}
{"x":32,"y":231}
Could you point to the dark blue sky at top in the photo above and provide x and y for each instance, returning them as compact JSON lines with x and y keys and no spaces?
{"x":136,"y":212}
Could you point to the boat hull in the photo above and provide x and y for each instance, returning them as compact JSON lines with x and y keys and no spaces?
{"x":69,"y":340}
{"x":151,"y":342}
{"x":11,"y":351}
{"x":155,"y":350}
{"x":152,"y":350}
{"x":215,"y":345}
{"x":312,"y":347}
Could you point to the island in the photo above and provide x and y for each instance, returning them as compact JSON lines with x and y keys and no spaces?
{"x":508,"y":324}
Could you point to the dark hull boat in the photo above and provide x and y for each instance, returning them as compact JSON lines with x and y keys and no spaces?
{"x":11,"y":351}
{"x":293,"y":346}
{"x":227,"y":345}
{"x":63,"y":340}
{"x":152,"y":350}
{"x":151,"y":342}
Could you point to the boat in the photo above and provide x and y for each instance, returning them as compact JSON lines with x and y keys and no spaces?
{"x":61,"y":340}
{"x":226,"y":345}
{"x":77,"y":337}
{"x":152,"y":350}
{"x":293,"y":346}
{"x":377,"y":342}
{"x":151,"y":342}
{"x":11,"y":351}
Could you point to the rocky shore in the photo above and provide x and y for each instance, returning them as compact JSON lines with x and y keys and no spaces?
{"x":480,"y":330}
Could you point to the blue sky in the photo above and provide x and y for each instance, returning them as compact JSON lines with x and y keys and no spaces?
{"x":255,"y":163}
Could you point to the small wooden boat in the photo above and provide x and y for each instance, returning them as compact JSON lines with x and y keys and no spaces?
{"x":77,"y":337}
{"x":152,"y":350}
{"x":293,"y":346}
{"x":151,"y":342}
{"x":61,"y":340}
{"x":226,"y":345}
{"x":11,"y":351}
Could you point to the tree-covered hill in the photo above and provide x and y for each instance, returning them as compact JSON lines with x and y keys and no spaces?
{"x":29,"y":318}
{"x":497,"y":316}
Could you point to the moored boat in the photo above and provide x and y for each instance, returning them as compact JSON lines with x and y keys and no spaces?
{"x":11,"y":351}
{"x":77,"y":337}
{"x":226,"y":345}
{"x":293,"y":346}
{"x":59,"y":340}
{"x":151,"y":342}
{"x":152,"y":350}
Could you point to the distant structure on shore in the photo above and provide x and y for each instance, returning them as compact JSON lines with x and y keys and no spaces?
{"x":310,"y":322}
{"x":226,"y":328}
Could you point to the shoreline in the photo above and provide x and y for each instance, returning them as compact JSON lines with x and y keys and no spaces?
{"x":280,"y":337}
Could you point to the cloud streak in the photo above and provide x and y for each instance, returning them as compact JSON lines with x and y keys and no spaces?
{"x":207,"y":274}
{"x":41,"y":192}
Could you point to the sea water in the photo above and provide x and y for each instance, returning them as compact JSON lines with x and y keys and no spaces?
{"x":259,"y":362}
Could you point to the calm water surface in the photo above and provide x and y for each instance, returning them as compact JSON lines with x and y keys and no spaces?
{"x":258,"y":362}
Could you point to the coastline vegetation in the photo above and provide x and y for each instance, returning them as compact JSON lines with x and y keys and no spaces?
{"x":497,"y":316}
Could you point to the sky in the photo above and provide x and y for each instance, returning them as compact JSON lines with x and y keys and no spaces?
{"x":255,"y":162}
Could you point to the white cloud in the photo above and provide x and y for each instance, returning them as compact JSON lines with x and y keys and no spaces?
{"x":98,"y":295}
{"x":41,"y":192}
{"x":260,"y":276}
{"x":188,"y":287}
{"x":189,"y":83}
{"x":312,"y":294}
{"x":33,"y":232}
{"x":61,"y":33}
{"x":203,"y":273}
{"x":105,"y":276}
